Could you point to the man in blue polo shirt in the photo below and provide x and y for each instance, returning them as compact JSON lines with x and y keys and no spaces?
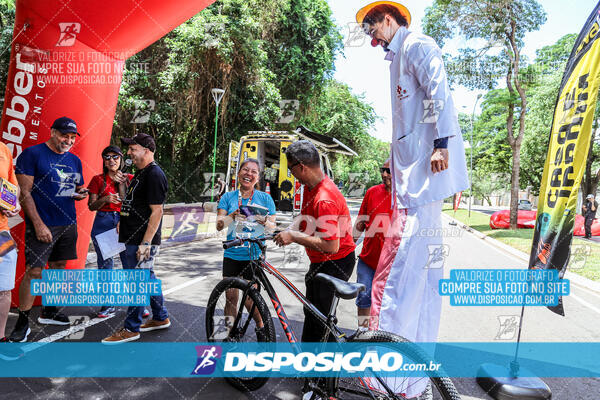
{"x":50,"y":179}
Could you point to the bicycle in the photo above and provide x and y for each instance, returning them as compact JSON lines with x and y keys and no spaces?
{"x":252,"y":310}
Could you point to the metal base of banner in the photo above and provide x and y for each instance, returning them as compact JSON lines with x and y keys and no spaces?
{"x":510,"y":387}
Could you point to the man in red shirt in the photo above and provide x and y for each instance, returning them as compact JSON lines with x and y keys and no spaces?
{"x":323,"y":228}
{"x":373,"y":219}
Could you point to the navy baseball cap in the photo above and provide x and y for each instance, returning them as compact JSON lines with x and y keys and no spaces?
{"x":112,"y":149}
{"x":142,"y":139}
{"x":65,"y":125}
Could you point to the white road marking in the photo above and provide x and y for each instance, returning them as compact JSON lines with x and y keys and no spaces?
{"x":183,"y":285}
{"x":588,"y":291}
{"x":585,"y":303}
{"x":72,"y":329}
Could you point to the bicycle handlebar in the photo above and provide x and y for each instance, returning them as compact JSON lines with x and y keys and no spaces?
{"x":227,"y":244}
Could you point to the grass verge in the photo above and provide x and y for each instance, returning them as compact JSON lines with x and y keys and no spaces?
{"x":585,"y":257}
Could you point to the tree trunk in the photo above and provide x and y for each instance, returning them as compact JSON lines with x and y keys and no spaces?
{"x":515,"y":141}
{"x":514,"y":185}
{"x":590,"y":180}
{"x":595,"y":182}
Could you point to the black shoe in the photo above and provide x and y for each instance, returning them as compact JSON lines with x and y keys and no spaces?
{"x":53,"y":317}
{"x":9,"y":352}
{"x":261,"y":334}
{"x":21,"y":331}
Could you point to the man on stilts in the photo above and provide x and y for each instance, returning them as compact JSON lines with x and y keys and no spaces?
{"x":428,"y":165}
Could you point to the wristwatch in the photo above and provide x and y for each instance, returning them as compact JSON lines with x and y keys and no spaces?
{"x":145,"y":243}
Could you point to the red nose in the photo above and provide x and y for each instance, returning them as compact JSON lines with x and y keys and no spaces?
{"x":374,"y":42}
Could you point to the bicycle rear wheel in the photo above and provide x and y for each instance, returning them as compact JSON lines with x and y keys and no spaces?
{"x":234,"y":311}
{"x":370,"y":386}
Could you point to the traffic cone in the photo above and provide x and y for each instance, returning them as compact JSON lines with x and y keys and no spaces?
{"x":268,"y":190}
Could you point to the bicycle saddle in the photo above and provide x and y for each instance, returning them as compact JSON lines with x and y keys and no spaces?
{"x":343,"y":289}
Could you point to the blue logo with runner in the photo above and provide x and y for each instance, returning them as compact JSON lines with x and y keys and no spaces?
{"x":207,"y":359}
{"x":544,"y":223}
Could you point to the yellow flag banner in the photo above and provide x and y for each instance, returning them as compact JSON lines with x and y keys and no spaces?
{"x":567,"y":153}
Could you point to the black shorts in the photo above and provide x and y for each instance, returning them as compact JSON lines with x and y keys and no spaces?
{"x":233,"y":268}
{"x":63,"y":245}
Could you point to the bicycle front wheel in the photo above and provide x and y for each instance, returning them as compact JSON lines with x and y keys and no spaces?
{"x":396,"y":387}
{"x":236,"y":312}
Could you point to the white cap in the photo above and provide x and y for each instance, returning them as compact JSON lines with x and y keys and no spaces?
{"x":590,"y":196}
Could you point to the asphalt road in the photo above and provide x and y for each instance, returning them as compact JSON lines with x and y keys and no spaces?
{"x":190,"y":271}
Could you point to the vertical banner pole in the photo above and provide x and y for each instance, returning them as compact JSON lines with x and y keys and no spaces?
{"x":212,"y":190}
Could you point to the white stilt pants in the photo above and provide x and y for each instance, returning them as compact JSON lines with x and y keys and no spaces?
{"x":405,"y":298}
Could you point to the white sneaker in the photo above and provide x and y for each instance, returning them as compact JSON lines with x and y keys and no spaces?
{"x":427,"y":394}
{"x":309,"y":396}
{"x":222,"y":327}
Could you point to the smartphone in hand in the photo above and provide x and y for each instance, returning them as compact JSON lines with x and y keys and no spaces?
{"x":82,"y":191}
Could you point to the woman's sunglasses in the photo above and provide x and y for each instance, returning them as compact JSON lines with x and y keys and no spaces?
{"x":114,"y":157}
{"x":384,"y":169}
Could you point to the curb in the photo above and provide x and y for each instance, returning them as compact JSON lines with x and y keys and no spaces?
{"x":571,"y":276}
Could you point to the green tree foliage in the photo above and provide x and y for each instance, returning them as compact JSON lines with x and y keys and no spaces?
{"x":338,"y":113}
{"x":491,"y":153}
{"x":591,"y":178}
{"x":7,"y":21}
{"x":554,"y":57}
{"x":548,"y":70}
{"x":220,"y":47}
{"x":502,"y":25}
{"x":486,"y":184}
{"x":542,"y":100}
{"x":260,"y":53}
{"x":302,"y":47}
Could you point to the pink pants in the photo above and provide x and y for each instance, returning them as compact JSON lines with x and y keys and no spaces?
{"x":404,"y":297}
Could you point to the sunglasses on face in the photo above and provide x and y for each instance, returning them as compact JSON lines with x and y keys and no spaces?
{"x":384,"y":169}
{"x":113,"y":157}
{"x":291,"y":167}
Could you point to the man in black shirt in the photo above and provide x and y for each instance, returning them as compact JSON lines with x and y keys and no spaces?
{"x":589,"y":213}
{"x":139,"y":228}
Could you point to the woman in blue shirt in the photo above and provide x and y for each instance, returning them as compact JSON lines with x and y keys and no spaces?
{"x":236,"y":260}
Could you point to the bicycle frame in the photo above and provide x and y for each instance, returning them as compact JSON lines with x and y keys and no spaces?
{"x":330,"y":322}
{"x":264,"y":266}
{"x":259,"y":269}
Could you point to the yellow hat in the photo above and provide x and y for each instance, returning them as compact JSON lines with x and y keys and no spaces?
{"x":360,"y":15}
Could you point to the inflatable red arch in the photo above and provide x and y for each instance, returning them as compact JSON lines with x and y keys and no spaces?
{"x":67,"y":60}
{"x":526,"y":219}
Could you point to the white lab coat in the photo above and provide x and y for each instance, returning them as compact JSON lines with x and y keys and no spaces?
{"x":405,"y":299}
{"x":422,"y":110}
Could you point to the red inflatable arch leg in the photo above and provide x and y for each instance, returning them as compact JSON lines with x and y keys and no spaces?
{"x":67,"y":60}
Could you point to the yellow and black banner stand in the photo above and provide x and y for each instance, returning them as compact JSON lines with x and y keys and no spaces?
{"x":567,"y":154}
{"x":565,"y":163}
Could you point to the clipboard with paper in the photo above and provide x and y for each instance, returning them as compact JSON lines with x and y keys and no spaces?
{"x":249,"y":227}
{"x":109,"y":245}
